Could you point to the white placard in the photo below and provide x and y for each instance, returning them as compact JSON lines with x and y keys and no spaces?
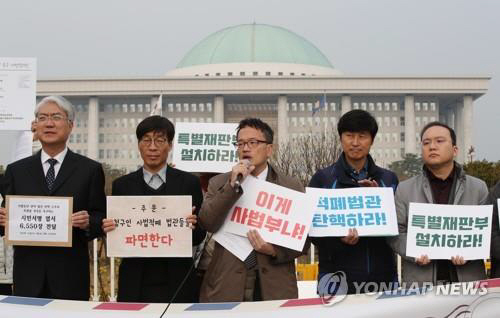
{"x":204,"y":147}
{"x":39,"y":221}
{"x":149,"y":226}
{"x":370,"y":210}
{"x":238,"y":245}
{"x":17,"y":92}
{"x":441,"y":231}
{"x":278,"y":213}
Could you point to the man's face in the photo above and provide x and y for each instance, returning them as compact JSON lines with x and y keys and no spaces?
{"x":259,"y":152}
{"x":53,"y":126}
{"x":356,"y":145}
{"x":437,"y":147}
{"x":154,"y":148}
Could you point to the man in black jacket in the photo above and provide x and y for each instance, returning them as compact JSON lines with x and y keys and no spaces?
{"x":495,"y":233}
{"x":157,"y":279}
{"x":363,"y":259}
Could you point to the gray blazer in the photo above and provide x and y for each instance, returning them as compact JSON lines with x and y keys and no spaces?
{"x":468,"y":191}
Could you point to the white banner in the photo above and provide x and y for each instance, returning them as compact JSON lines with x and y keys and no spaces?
{"x":39,"y":221}
{"x":149,"y":226}
{"x":278,"y":213}
{"x":370,"y":210}
{"x":204,"y":147}
{"x":17,"y":92}
{"x":441,"y":231}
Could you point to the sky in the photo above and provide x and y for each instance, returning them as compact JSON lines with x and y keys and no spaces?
{"x":373,"y":37}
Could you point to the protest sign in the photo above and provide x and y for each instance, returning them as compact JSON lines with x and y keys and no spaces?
{"x":149,"y":226}
{"x":441,"y":231}
{"x":370,"y":210}
{"x":17,"y":92}
{"x":278,"y":213}
{"x":39,"y":221}
{"x":204,"y":147}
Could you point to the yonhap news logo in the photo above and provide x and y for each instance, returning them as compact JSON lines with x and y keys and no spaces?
{"x":332,"y":288}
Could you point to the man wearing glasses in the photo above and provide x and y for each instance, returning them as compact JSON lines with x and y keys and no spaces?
{"x":57,"y":272}
{"x":269,"y":271}
{"x":157,"y":279}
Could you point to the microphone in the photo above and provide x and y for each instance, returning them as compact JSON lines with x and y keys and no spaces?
{"x":239,"y":177}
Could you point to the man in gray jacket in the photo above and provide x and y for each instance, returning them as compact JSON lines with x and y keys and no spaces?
{"x":442,"y":181}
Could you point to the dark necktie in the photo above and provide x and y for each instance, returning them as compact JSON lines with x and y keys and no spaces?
{"x":50,"y":177}
{"x":251,"y":260}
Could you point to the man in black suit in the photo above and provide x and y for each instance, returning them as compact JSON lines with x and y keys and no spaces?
{"x":57,"y":272}
{"x":157,"y":279}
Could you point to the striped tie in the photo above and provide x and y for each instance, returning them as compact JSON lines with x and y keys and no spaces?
{"x":51,"y":173}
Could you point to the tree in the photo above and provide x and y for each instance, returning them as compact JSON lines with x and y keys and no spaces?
{"x":410,"y":166}
{"x":485,"y":170}
{"x":306,"y":154}
{"x":110,"y":174}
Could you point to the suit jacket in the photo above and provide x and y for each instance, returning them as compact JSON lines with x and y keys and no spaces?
{"x":468,"y":191}
{"x":132,"y":270}
{"x":64,"y":269}
{"x":224,"y":279}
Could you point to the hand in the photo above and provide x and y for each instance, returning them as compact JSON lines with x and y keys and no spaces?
{"x":244,"y":168}
{"x":368,"y":183}
{"x":422,"y":260}
{"x":352,"y":237}
{"x":259,"y":244}
{"x":458,"y":260}
{"x":3,"y":216}
{"x":192,"y":219}
{"x":80,"y":219}
{"x":108,"y":225}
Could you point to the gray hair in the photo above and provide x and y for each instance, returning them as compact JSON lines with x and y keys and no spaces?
{"x":60,"y":101}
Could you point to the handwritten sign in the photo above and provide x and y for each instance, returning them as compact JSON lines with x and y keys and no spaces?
{"x":205,"y":147}
{"x":149,"y":226}
{"x":441,"y":231}
{"x":39,"y":221}
{"x":277,"y":212}
{"x":370,"y":210}
{"x":17,"y":92}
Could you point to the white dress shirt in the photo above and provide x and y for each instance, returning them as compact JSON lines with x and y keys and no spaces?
{"x":59,"y":157}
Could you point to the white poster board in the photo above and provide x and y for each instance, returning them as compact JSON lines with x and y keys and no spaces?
{"x":370,"y":210}
{"x":39,"y":221}
{"x":205,"y":147}
{"x":441,"y":231}
{"x":17,"y":92}
{"x":149,"y":226}
{"x":277,"y":213}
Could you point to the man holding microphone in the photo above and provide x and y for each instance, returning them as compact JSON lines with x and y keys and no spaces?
{"x":268,"y":273}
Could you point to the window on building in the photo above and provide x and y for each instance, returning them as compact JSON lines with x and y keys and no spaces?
{"x":433,"y":107}
{"x":394,"y":121}
{"x":425,"y":107}
{"x":401,"y":121}
{"x":417,"y":107}
{"x":109,"y":153}
{"x":333,"y":107}
{"x":242,"y":73}
{"x":268,"y":73}
{"x":371,"y":106}
{"x":140,"y":108}
{"x":387,"y":107}
{"x":387,"y":121}
{"x":101,"y":153}
{"x":209,"y":107}
{"x":355,"y":105}
{"x":148,"y":108}
{"x":379,"y":107}
{"x":402,"y":136}
{"x":78,"y":138}
{"x":363,"y":106}
{"x":124,"y":108}
{"x":101,"y":122}
{"x":132,"y":108}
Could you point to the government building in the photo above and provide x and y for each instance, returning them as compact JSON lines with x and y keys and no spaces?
{"x":267,"y":72}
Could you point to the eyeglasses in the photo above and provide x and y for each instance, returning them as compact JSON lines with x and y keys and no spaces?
{"x":159,"y":142}
{"x":253,"y":143}
{"x":56,"y":118}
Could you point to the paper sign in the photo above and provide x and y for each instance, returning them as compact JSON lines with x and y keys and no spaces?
{"x":278,"y":213}
{"x":39,"y":221}
{"x":441,"y":231}
{"x":370,"y":210}
{"x":149,"y":226}
{"x":238,"y":245}
{"x":17,"y":92}
{"x":204,"y":147}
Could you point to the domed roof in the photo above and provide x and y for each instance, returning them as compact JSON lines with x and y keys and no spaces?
{"x":254,"y":43}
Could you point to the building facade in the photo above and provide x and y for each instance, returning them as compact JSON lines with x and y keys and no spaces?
{"x":271,"y":73}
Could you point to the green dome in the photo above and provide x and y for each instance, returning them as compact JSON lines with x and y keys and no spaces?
{"x":254,"y":43}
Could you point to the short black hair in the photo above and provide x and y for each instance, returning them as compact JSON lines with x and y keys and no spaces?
{"x":157,"y":124}
{"x":437,"y":123}
{"x":257,"y":124}
{"x":357,"y":120}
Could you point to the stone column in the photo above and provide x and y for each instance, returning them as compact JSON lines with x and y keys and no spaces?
{"x":219,"y":109}
{"x":345,"y":103}
{"x":459,"y":128}
{"x":410,"y":132}
{"x":467,"y":125}
{"x":93,"y":128}
{"x":282,"y":120}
